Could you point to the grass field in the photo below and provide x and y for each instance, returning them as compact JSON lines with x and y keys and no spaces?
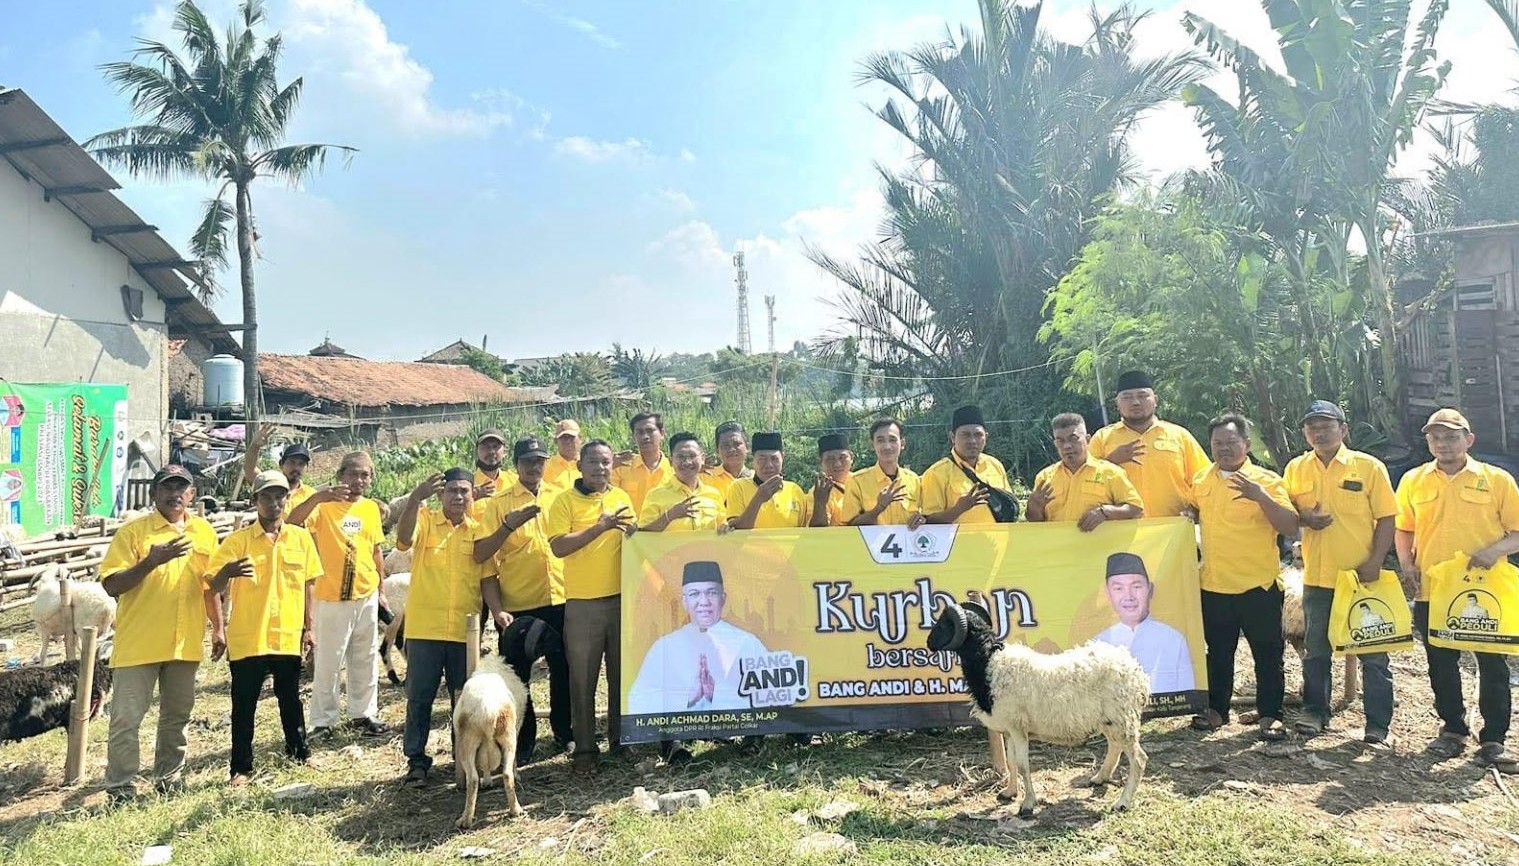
{"x":917,"y":798}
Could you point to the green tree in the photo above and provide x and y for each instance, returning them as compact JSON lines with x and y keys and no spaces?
{"x":578,"y":374}
{"x":635,"y":369}
{"x":483,"y":362}
{"x":216,"y":113}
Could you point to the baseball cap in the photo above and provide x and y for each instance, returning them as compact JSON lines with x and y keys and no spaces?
{"x":1451,"y":418}
{"x":566,"y":427}
{"x":295,"y":449}
{"x":1323,"y":409}
{"x":529,"y":446}
{"x":270,"y":478}
{"x":174,"y":470}
{"x":492,"y":433}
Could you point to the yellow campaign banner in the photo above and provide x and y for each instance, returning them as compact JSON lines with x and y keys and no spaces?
{"x":806,"y":630}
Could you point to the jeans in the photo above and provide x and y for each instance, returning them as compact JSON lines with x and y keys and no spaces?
{"x":1494,"y":694}
{"x":559,"y":688}
{"x":1258,"y":614}
{"x":1376,"y":676}
{"x":132,"y":694}
{"x":248,"y":675}
{"x":428,"y":662}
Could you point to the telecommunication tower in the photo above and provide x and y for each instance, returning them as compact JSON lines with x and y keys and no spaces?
{"x":745,"y":344}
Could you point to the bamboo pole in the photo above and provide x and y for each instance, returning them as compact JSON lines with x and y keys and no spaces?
{"x":66,"y":604}
{"x":471,"y":644}
{"x":79,"y":720}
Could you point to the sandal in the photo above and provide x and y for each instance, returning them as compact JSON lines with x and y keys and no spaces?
{"x":1209,"y":720}
{"x":1272,"y":729}
{"x":1447,"y":745}
{"x":1309,"y":726}
{"x":1492,"y":755}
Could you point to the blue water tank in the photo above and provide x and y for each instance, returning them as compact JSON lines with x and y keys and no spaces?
{"x":224,"y":380}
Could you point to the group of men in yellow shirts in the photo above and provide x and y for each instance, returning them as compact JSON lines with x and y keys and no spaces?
{"x":543,"y":539}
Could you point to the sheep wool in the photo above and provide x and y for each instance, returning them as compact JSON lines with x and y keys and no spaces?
{"x":486,"y":721}
{"x":92,"y":606}
{"x":397,"y":588}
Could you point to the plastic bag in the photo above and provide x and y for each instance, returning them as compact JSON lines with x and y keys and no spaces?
{"x":1370,"y":617}
{"x":1474,"y":609}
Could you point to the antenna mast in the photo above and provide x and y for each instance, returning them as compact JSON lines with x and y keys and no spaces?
{"x":745,"y":344}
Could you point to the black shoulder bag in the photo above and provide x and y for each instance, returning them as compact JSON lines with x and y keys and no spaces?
{"x":1003,"y":505}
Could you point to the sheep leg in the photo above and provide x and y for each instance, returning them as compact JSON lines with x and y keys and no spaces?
{"x":45,"y":639}
{"x":1104,"y":773}
{"x":1020,"y":756}
{"x":507,"y":742}
{"x":1352,"y":671}
{"x":1003,"y":762}
{"x":999,"y":751}
{"x":465,"y":761}
{"x":1137,"y":761}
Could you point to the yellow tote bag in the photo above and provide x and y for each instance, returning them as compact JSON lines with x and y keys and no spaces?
{"x":1370,"y":618}
{"x":1474,"y":609}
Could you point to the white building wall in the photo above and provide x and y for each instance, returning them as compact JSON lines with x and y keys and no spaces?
{"x":61,"y":312}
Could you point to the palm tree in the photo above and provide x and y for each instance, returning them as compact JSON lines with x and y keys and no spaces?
{"x":636,"y":369}
{"x":217,"y":113}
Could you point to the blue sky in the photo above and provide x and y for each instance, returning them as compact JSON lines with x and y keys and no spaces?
{"x":563,"y":175}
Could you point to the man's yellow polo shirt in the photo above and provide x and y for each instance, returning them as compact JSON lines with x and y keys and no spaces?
{"x":559,"y":472}
{"x":298,"y":494}
{"x":1355,"y":491}
{"x":445,"y":579}
{"x":722,"y":479}
{"x":268,"y":608}
{"x":944,"y":483}
{"x":1449,"y":514}
{"x":1163,"y":475}
{"x":593,"y":571}
{"x":346,"y":534}
{"x":1097,"y":482}
{"x":791,"y":506}
{"x":530,"y":574}
{"x":163,"y":618}
{"x":710,"y":508}
{"x":1239,"y":543}
{"x":638,"y":479}
{"x":866,"y":484}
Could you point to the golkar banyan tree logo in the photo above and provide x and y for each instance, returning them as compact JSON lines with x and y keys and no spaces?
{"x":1370,"y":619}
{"x":1474,"y":610}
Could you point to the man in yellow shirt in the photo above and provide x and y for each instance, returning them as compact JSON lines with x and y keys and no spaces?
{"x":1241,"y":508}
{"x":586,"y":525}
{"x":888,"y":492}
{"x":685,"y":503}
{"x":445,"y":589}
{"x":732,"y":444}
{"x":1080,"y":488}
{"x":1161,"y":458}
{"x":768,"y":501}
{"x":267,"y":569}
{"x":562,"y":468}
{"x":637,"y":474}
{"x":1346,"y":508}
{"x":835,"y":461}
{"x":1455,"y":504}
{"x":346,"y":526}
{"x":154,"y":569}
{"x":490,"y":475}
{"x":960,"y":488}
{"x":528,"y":578}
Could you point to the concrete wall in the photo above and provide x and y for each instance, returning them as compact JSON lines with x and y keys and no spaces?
{"x":61,"y":314}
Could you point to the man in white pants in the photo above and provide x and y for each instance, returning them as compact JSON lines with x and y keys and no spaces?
{"x":348,"y":531}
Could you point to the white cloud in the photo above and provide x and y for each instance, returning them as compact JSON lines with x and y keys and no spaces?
{"x":592,"y":150}
{"x":673,"y":199}
{"x":594,"y":33}
{"x":687,"y":156}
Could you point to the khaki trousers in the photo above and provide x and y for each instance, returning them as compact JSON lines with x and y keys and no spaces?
{"x":131,"y":697}
{"x":592,"y":632}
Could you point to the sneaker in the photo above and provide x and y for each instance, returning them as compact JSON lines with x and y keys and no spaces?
{"x":1310,"y":726}
{"x":369,"y":727}
{"x":240,"y":780}
{"x":416,"y":777}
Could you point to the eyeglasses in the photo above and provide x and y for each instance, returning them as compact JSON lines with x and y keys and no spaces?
{"x":695,"y":595}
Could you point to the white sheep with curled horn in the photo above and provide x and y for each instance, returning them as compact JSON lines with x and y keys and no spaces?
{"x":1063,"y":698}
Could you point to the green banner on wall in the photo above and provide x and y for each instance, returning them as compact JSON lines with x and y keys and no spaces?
{"x":61,"y":443}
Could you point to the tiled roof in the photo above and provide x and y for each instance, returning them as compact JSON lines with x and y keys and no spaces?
{"x":358,"y":382}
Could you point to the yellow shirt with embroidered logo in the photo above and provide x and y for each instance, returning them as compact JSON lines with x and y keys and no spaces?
{"x":710,"y":508}
{"x":445,"y":579}
{"x":791,"y":506}
{"x":269,"y":607}
{"x":637,"y":479}
{"x":593,"y":571}
{"x":346,"y":535}
{"x":531,"y":575}
{"x":866,"y":484}
{"x":1172,"y":459}
{"x":1239,"y":542}
{"x":1097,"y":482}
{"x":945,"y":482}
{"x":163,"y":618}
{"x":722,"y":479}
{"x":1353,"y":489}
{"x":1450,"y":514}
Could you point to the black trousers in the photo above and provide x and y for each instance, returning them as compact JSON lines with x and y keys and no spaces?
{"x":1494,"y":693}
{"x":1257,"y":614}
{"x":248,"y":675}
{"x":559,"y":688}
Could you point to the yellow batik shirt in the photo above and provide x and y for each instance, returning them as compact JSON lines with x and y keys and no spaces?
{"x":269,"y":608}
{"x":163,"y":618}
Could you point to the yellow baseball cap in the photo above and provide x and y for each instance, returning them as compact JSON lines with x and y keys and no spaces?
{"x":567,"y":427}
{"x":1447,"y":418}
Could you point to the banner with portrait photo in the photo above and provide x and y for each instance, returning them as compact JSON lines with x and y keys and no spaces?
{"x":63,"y":453}
{"x":809,"y":630}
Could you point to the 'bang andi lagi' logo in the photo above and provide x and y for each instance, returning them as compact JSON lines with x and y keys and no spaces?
{"x":1370,"y":619}
{"x":776,"y":679}
{"x":1474,"y":610}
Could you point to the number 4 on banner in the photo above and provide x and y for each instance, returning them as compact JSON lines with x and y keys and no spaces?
{"x":898,"y":545}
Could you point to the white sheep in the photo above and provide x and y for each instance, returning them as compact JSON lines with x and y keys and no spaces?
{"x":1295,"y":631}
{"x":92,"y":606}
{"x":1063,"y":698}
{"x":397,"y":588}
{"x":486,"y":720}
